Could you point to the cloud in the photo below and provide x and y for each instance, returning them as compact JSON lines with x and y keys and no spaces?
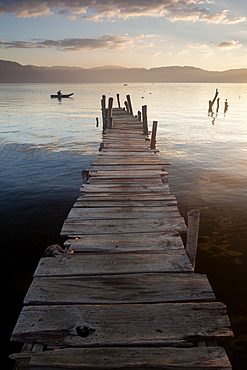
{"x":110,"y":42}
{"x":174,"y":10}
{"x":203,"y":15}
{"x":229,"y":44}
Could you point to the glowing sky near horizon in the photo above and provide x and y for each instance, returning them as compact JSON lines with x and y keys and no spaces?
{"x":130,"y":33}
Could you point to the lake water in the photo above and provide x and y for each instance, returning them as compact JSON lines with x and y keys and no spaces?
{"x":46,"y":143}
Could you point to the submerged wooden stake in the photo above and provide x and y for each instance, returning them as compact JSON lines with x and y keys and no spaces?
{"x":192,"y":234}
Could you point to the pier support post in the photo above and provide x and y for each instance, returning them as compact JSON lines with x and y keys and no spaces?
{"x":118,"y":101}
{"x":153,"y":136}
{"x":103,"y":108}
{"x":192,"y":234}
{"x":109,"y":113}
{"x":144,"y":120}
{"x":129,"y":104}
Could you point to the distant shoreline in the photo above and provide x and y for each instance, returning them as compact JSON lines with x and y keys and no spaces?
{"x":12,"y":72}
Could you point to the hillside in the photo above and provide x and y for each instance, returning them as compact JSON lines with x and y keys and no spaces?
{"x":12,"y":72}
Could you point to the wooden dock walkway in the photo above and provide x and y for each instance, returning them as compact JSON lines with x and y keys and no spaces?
{"x":124,"y":294}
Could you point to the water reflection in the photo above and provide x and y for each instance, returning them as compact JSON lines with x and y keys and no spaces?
{"x":214,"y":114}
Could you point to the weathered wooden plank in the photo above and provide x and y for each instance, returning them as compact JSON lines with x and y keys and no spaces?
{"x":129,"y":154}
{"x":118,"y":202}
{"x":134,"y":150}
{"x":120,"y":145}
{"x":155,"y":186}
{"x":130,"y":162}
{"x":103,"y":325}
{"x":133,"y":167}
{"x":125,"y":289}
{"x":130,"y":358}
{"x":84,"y":227}
{"x":122,"y":212}
{"x":125,"y":196}
{"x":174,"y":260}
{"x":125,"y":242}
{"x":125,"y":188}
{"x":129,"y":174}
{"x":124,"y":180}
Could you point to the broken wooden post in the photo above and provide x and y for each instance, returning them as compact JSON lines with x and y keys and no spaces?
{"x":97,"y":122}
{"x":144,"y":120}
{"x":109,"y":113}
{"x":153,"y":136}
{"x":129,"y":104}
{"x":85,"y":175}
{"x":211,"y":103}
{"x":118,"y":101}
{"x":192,"y":234}
{"x":139,"y":116}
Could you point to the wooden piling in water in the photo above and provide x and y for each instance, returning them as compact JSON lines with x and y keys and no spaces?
{"x":144,"y":120}
{"x":118,"y":100}
{"x":129,"y":104}
{"x":123,"y":293}
{"x":103,"y":109}
{"x":153,"y":136}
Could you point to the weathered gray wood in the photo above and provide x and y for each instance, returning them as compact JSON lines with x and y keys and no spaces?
{"x":192,"y":234}
{"x":125,"y":188}
{"x":141,"y":167}
{"x":103,"y":325}
{"x":124,"y":180}
{"x":123,"y":197}
{"x":126,"y":242}
{"x":123,"y":148}
{"x":130,"y":162}
{"x":122,"y":212}
{"x":84,"y":227}
{"x":93,"y":201}
{"x":125,"y":289}
{"x":99,"y":203}
{"x":143,"y":174}
{"x":174,"y":260}
{"x":131,"y":358}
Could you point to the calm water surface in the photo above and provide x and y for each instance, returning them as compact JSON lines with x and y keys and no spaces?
{"x":45,"y":144}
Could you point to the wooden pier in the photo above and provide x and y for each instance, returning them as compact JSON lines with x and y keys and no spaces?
{"x":124,"y":294}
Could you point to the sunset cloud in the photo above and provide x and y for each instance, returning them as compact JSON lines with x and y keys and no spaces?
{"x":108,"y":10}
{"x":105,"y":42}
{"x":229,"y":44}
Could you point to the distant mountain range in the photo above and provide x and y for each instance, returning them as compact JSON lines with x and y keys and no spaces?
{"x":12,"y":72}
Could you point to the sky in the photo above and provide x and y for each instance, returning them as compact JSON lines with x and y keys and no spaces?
{"x":131,"y":33}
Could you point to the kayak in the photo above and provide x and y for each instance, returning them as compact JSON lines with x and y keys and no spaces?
{"x":61,"y":95}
